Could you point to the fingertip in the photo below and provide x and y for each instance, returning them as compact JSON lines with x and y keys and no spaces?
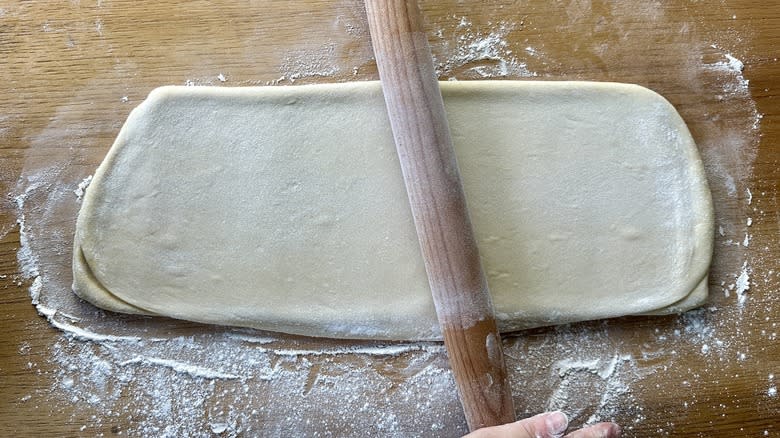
{"x":556,"y":423}
{"x":600,"y":430}
{"x":608,"y":430}
{"x":614,"y":431}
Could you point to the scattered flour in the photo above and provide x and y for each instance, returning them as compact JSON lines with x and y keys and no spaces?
{"x":568,"y":394}
{"x":743,"y":283}
{"x":82,"y":187}
{"x":231,"y":382}
{"x":478,"y":54}
{"x":180,"y":367}
{"x":35,"y":290}
{"x":319,"y":61}
{"x":728,"y":144}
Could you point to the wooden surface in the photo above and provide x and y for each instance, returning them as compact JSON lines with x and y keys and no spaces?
{"x":70,"y":72}
{"x":441,"y":217}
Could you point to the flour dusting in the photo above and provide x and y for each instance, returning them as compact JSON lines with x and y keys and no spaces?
{"x":79,"y":192}
{"x":473,"y":53}
{"x":743,"y":283}
{"x":614,"y":374}
{"x":318,"y":61}
{"x":201,"y":380}
{"x":180,"y":367}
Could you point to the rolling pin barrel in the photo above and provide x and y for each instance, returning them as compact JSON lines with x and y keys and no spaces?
{"x":449,"y":249}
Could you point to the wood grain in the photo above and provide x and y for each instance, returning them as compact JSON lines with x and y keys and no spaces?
{"x":70,"y":72}
{"x":441,"y":217}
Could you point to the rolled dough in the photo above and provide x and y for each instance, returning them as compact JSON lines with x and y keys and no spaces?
{"x":283,"y":208}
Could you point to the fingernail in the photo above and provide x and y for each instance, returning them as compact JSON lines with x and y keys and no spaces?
{"x":614,"y":431}
{"x":556,"y":423}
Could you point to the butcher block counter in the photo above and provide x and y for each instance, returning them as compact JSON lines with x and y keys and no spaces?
{"x":71,"y":71}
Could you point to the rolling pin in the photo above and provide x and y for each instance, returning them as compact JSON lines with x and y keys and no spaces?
{"x":430,"y":171}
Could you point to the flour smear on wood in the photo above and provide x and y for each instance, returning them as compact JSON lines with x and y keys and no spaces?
{"x":164,"y":380}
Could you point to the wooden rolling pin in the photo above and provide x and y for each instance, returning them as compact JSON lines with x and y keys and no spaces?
{"x":449,"y":249}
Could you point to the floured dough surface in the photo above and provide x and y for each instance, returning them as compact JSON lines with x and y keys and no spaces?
{"x":283,"y":208}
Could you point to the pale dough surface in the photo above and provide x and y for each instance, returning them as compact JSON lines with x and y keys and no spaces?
{"x":283,"y":208}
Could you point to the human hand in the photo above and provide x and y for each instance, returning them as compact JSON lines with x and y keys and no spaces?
{"x":547,"y":425}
